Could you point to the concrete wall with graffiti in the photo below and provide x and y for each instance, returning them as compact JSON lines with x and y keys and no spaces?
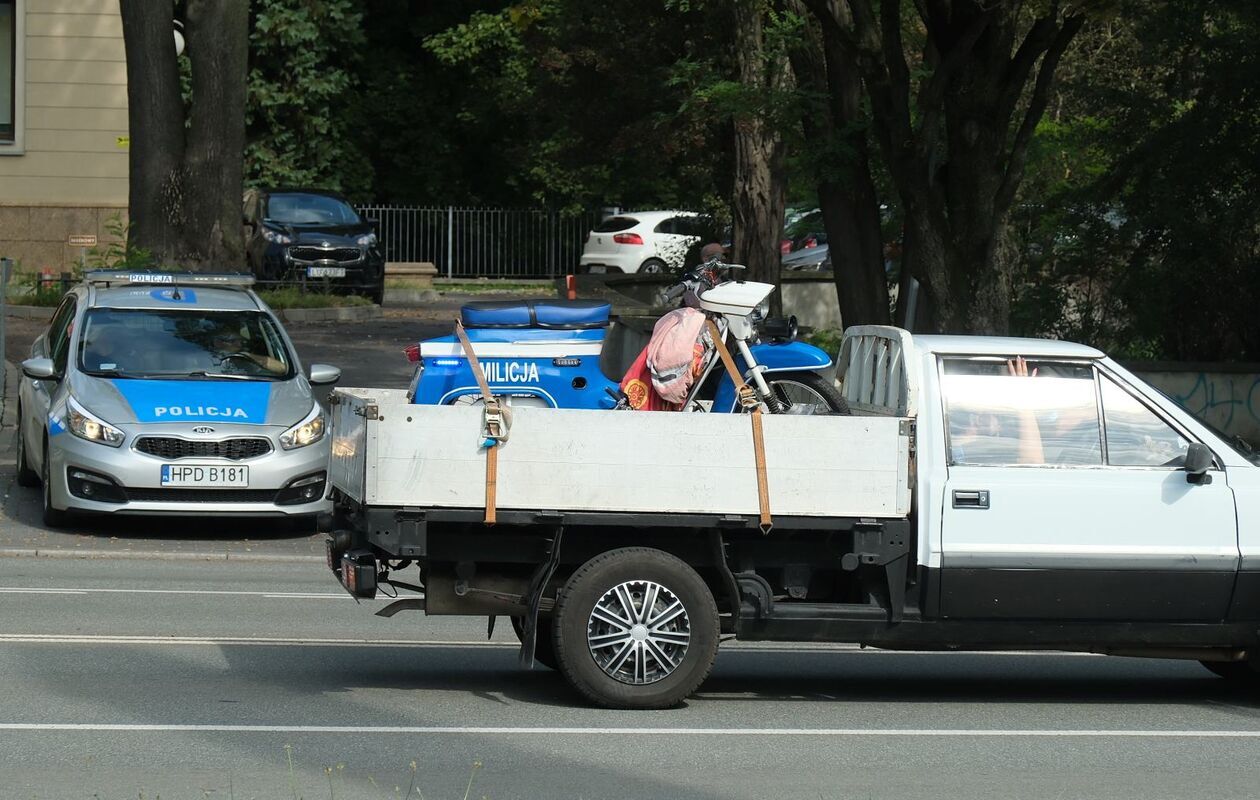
{"x":1226,"y":398}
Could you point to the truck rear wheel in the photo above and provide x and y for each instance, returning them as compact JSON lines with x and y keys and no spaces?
{"x":544,"y":647}
{"x":636,"y":628}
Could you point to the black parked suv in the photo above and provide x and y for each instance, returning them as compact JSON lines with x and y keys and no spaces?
{"x":311,"y":235}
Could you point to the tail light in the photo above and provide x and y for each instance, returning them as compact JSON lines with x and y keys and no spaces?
{"x":628,"y":238}
{"x":413,"y":352}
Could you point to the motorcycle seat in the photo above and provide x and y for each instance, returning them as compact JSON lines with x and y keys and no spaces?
{"x":551,"y":314}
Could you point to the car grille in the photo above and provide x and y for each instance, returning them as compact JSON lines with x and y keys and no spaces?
{"x":201,"y":495}
{"x":339,"y":254}
{"x":173,"y":448}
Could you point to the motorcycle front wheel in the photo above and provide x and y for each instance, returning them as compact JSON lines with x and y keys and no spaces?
{"x":807,"y":393}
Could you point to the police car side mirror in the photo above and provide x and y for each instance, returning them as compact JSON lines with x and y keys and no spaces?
{"x":39,"y":369}
{"x":323,"y":374}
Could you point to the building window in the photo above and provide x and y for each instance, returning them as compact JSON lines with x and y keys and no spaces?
{"x":8,"y":69}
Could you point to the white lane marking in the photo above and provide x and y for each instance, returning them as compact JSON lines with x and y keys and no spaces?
{"x":627,"y":731}
{"x":229,"y":593}
{"x":734,"y":647}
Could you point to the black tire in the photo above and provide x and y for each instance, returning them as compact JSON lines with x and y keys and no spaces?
{"x":52,"y":517}
{"x":813,"y":382}
{"x":378,"y":295}
{"x":653,"y":266}
{"x":26,"y":476}
{"x":544,"y":645}
{"x":694,"y":630}
{"x":1241,"y":672}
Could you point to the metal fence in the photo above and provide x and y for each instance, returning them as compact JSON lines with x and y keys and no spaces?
{"x":484,"y":242}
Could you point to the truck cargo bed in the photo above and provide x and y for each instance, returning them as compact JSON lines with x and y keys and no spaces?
{"x":390,"y":453}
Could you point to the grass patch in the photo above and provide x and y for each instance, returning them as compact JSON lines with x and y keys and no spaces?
{"x":493,"y":287}
{"x":44,"y":298}
{"x":827,"y":339}
{"x":295,"y":298}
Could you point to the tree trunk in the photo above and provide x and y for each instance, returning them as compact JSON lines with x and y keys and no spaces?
{"x":155,"y":113}
{"x":760,"y":182}
{"x":837,"y":137}
{"x":954,"y":142}
{"x":186,"y":173}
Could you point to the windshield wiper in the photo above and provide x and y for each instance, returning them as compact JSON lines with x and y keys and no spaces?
{"x":113,"y":373}
{"x":201,"y":373}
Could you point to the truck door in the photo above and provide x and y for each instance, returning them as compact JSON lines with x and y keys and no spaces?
{"x":1066,"y":500}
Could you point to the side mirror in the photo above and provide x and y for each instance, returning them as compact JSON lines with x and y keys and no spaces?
{"x":322,"y":374}
{"x":39,"y":369}
{"x":1198,"y":462}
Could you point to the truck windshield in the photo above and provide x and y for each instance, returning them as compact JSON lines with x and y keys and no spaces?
{"x":206,"y":345}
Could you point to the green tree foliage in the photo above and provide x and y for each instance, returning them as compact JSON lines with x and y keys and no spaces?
{"x":555,"y":102}
{"x":1146,"y":238}
{"x":304,"y":57}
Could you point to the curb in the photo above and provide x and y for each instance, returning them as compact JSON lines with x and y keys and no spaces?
{"x":343,"y":314}
{"x":29,"y":312}
{"x":153,"y":555}
{"x":8,"y":391}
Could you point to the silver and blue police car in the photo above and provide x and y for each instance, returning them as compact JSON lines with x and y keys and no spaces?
{"x":171,"y":393}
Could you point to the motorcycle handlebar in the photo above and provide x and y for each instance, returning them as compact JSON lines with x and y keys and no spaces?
{"x":675,"y":292}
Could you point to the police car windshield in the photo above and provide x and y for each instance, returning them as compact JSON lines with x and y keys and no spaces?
{"x":201,"y":345}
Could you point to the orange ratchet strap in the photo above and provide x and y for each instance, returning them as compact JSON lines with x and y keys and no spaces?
{"x":748,"y":400}
{"x":496,"y":420}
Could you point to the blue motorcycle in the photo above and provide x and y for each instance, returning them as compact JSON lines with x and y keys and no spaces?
{"x":548,"y":353}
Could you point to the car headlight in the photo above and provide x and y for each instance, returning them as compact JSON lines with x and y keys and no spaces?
{"x":276,"y":236}
{"x":366,"y":240}
{"x":86,"y":426}
{"x":307,"y":432}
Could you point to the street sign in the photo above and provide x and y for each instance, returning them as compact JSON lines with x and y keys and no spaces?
{"x":82,"y":240}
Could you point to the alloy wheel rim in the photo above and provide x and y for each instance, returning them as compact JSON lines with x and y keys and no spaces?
{"x":638,"y":632}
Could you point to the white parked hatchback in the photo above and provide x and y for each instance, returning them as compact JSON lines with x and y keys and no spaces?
{"x":642,"y":241}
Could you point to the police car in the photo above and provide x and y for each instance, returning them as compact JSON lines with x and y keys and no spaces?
{"x":170,"y":393}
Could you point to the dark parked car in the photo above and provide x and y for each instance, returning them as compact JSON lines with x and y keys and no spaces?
{"x":314,"y":236}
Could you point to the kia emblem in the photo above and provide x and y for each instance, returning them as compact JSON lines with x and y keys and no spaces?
{"x":203,"y":429}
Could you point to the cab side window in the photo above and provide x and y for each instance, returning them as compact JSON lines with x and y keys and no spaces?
{"x":997,"y":418}
{"x":1136,"y":437}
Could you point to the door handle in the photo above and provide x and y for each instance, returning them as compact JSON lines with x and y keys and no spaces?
{"x":971,"y":498}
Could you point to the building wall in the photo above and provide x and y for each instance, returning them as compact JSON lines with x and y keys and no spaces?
{"x":67,"y":174}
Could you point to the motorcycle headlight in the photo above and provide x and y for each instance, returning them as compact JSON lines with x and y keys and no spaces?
{"x":276,"y":236}
{"x":366,"y":240}
{"x":86,"y":426}
{"x":307,"y":432}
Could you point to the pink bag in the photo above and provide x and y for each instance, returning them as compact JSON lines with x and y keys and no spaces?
{"x":678,"y":353}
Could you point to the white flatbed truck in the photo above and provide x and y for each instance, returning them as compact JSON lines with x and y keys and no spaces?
{"x":960,"y":506}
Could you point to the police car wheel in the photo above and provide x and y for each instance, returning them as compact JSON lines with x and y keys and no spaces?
{"x":52,"y":517}
{"x":26,"y":476}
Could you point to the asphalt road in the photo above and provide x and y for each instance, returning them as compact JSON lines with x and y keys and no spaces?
{"x":174,"y":679}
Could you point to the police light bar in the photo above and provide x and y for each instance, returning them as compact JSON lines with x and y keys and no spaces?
{"x":107,"y":276}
